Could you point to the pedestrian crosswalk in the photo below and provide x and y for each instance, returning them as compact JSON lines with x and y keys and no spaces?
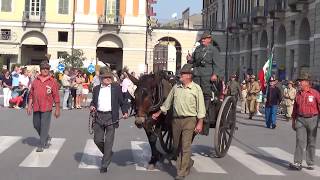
{"x":252,"y":163}
{"x":262,"y":161}
{"x":91,"y":157}
{"x":7,"y":141}
{"x":43,"y":159}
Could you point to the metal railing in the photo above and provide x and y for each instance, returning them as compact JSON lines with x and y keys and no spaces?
{"x":110,"y":19}
{"x":258,"y":12}
{"x":33,"y":17}
{"x":277,"y":5}
{"x":294,"y":2}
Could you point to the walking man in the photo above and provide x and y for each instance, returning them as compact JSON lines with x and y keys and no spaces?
{"x":44,"y":92}
{"x":106,"y":100}
{"x":305,"y":118}
{"x":253,"y":90}
{"x":273,"y":100}
{"x":289,"y":96}
{"x":66,"y":83}
{"x":188,"y":112}
{"x":233,"y":88}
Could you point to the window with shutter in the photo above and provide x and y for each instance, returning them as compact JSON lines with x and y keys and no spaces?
{"x":6,"y":5}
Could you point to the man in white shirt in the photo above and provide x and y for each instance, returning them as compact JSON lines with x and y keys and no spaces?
{"x":66,"y":83}
{"x":106,"y":100}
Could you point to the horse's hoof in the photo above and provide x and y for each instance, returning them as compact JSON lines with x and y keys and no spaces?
{"x":150,"y":167}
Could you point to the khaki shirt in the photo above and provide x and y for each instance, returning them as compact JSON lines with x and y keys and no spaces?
{"x":253,"y":90}
{"x":187,"y":101}
{"x":289,"y":95}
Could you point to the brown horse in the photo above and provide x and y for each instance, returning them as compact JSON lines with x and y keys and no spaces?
{"x":152,"y":89}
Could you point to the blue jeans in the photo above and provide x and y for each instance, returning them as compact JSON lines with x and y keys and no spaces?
{"x":65,"y":98}
{"x":271,"y":115}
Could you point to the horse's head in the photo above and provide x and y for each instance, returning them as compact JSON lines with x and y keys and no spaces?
{"x":146,"y":98}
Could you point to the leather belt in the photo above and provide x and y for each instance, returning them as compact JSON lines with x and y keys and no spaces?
{"x":183,"y":117}
{"x":308,"y":116}
{"x":104,"y":112}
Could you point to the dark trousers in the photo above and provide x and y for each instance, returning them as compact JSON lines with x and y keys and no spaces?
{"x":25,"y":98}
{"x":41,"y":122}
{"x":104,"y":137}
{"x":205,"y":83}
{"x":73,"y":92}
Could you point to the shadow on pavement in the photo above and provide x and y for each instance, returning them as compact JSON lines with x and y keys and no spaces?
{"x":206,"y":151}
{"x":31,"y":141}
{"x":248,"y":124}
{"x":273,"y":160}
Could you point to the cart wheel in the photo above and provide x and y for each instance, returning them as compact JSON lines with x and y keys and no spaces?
{"x":166,"y":139}
{"x":225,"y":126}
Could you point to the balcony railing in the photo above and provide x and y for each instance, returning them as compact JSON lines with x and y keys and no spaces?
{"x":294,"y":2}
{"x":110,"y":19}
{"x":258,"y":12}
{"x":33,"y":17}
{"x":297,"y":5}
{"x":277,"y":5}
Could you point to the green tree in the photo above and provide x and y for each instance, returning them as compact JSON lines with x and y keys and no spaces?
{"x":73,"y":61}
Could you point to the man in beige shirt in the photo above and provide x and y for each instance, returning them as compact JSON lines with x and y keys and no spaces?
{"x":253,"y":90}
{"x":66,"y":83}
{"x":188,"y":112}
{"x":289,"y":95}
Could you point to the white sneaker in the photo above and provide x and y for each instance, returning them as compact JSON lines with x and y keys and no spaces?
{"x":258,"y":114}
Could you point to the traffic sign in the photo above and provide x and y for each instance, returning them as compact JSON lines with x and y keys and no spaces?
{"x":91,"y":68}
{"x":61,"y":67}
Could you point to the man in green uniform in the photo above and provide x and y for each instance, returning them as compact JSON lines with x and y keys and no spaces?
{"x":233,"y":88}
{"x":188,"y":112}
{"x":202,"y":60}
{"x":203,"y":64}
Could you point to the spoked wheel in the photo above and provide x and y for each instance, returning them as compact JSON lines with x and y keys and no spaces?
{"x":225,"y":126}
{"x":165,"y":139}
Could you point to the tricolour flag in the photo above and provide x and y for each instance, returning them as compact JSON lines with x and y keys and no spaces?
{"x":265,"y":73}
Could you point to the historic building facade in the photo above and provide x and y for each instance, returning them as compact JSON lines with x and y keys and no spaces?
{"x":112,"y":31}
{"x":291,"y":25}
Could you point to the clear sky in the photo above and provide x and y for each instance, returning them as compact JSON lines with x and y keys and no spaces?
{"x":165,"y":8}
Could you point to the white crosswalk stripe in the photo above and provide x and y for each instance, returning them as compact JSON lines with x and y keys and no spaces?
{"x":7,"y":141}
{"x":283,"y":155}
{"x":45,"y":158}
{"x":91,"y":158}
{"x":252,"y":163}
{"x":141,"y":153}
{"x":206,"y":165}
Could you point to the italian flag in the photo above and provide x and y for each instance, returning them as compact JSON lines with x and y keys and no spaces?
{"x":265,"y":73}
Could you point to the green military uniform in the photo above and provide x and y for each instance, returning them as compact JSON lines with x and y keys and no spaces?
{"x":253,"y":90}
{"x":234,"y":89}
{"x":188,"y":106}
{"x":202,"y":60}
